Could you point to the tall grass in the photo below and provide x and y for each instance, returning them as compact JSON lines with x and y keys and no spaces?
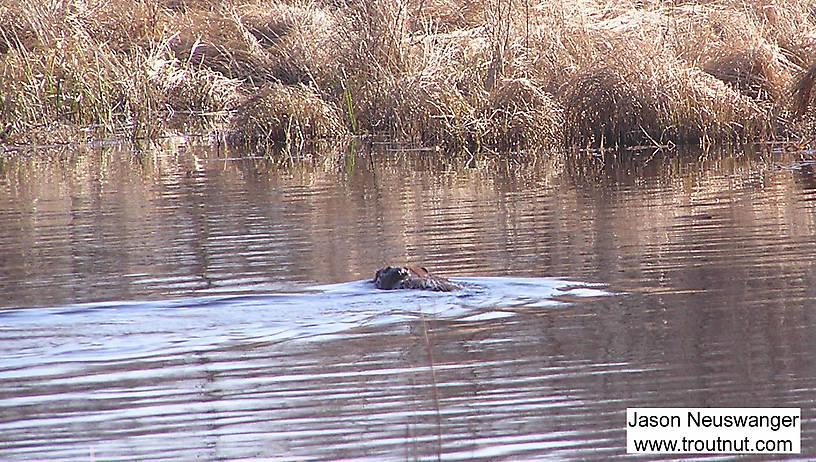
{"x":498,"y":74}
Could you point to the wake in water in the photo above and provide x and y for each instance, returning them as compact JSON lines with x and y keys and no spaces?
{"x":236,"y":348}
{"x":112,"y":329}
{"x":480,"y":294}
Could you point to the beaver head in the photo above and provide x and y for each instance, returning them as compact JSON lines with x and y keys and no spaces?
{"x":390,"y":277}
{"x":412,"y":277}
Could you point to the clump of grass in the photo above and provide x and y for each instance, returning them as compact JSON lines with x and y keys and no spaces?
{"x":698,"y":106}
{"x":751,"y":72}
{"x":604,"y":109}
{"x":186,"y":95}
{"x":288,"y":114}
{"x":300,"y":41}
{"x":521,"y":114}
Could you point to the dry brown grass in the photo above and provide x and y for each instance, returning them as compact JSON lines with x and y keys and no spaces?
{"x":496,"y":75}
{"x":291,"y":114}
{"x":605,"y":108}
{"x":803,"y":91}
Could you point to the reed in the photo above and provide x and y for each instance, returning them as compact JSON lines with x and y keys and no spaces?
{"x":496,"y":75}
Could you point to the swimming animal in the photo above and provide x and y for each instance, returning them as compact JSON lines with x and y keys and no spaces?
{"x":412,"y":277}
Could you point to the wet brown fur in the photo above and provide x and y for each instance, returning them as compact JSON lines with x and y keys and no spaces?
{"x":412,"y":277}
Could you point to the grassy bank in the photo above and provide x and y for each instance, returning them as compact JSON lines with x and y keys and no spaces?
{"x":499,"y":74}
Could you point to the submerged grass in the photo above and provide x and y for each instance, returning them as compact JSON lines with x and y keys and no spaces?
{"x":498,"y":75}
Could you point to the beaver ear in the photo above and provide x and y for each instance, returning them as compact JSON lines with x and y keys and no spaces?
{"x":424,"y":269}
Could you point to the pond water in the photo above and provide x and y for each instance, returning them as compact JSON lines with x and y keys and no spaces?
{"x":188,"y":302}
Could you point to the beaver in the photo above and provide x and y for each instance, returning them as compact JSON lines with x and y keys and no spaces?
{"x":412,"y":277}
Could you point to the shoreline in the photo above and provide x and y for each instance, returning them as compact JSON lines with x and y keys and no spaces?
{"x":496,"y":76}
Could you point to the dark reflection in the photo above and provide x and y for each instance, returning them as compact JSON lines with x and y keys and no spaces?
{"x":708,"y":255}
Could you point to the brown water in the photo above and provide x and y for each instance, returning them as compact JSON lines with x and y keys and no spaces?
{"x":188,"y":303}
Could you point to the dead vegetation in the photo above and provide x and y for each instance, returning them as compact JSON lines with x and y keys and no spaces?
{"x":500,"y":75}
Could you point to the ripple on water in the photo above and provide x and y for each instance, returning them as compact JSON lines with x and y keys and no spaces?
{"x":109,"y":377}
{"x":247,"y":362}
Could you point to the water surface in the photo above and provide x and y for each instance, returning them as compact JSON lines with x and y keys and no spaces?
{"x":186,"y":302}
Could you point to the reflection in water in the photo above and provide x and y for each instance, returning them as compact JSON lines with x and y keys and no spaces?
{"x":181,"y":303}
